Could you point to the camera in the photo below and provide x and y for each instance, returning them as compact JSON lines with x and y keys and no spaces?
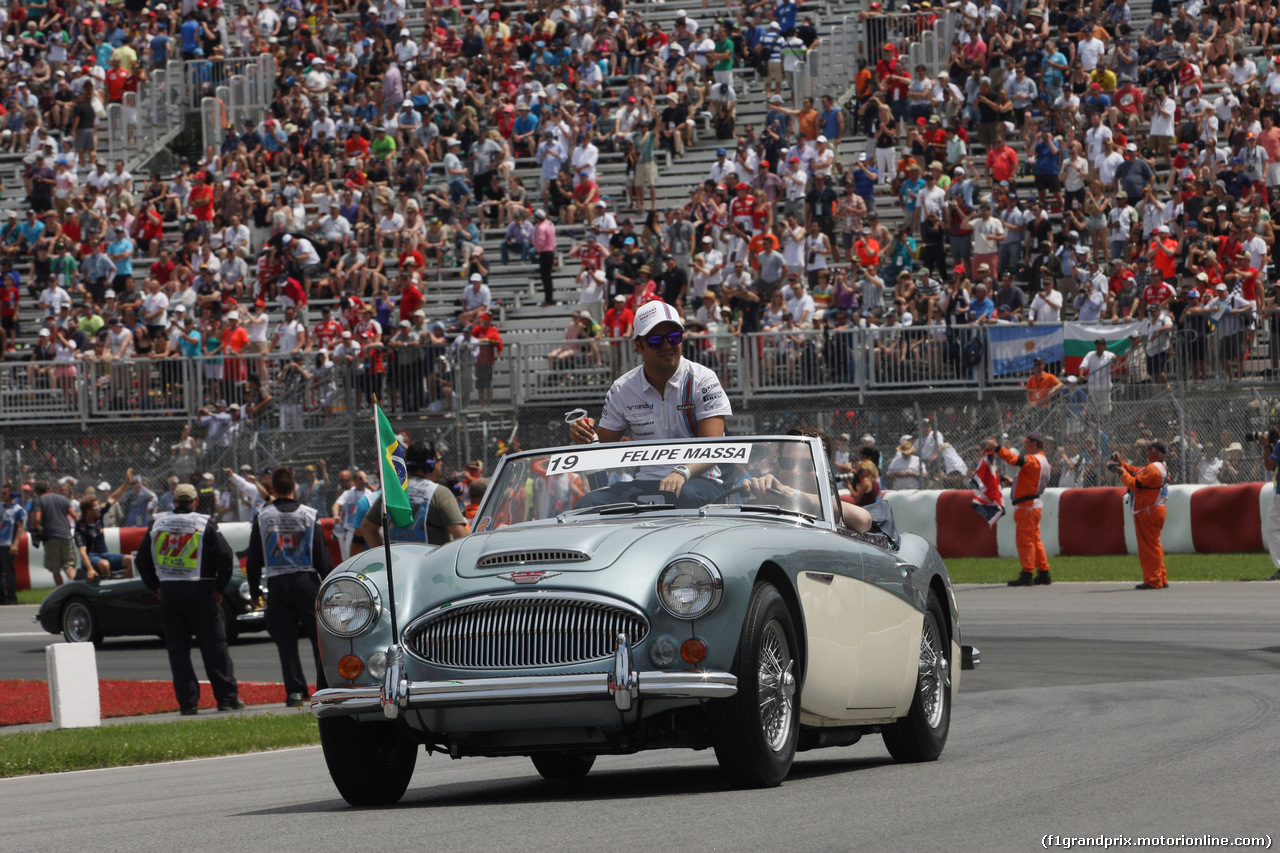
{"x":1271,"y":436}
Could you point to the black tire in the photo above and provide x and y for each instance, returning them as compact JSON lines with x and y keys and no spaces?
{"x":756,"y":730}
{"x":79,"y":624}
{"x":560,"y":766}
{"x":370,"y":763}
{"x":922,"y":733}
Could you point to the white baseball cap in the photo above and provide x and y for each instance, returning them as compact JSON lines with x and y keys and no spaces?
{"x":654,"y":314}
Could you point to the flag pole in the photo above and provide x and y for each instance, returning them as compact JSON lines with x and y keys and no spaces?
{"x":386,"y":537}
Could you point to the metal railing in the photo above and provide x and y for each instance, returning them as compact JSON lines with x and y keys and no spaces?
{"x":231,"y":92}
{"x":452,"y":380}
{"x":144,"y":120}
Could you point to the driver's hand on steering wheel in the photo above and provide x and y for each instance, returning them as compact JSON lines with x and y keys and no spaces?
{"x":760,"y":486}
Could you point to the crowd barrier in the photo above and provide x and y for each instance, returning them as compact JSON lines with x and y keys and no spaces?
{"x":1075,"y":522}
{"x":1091,"y":522}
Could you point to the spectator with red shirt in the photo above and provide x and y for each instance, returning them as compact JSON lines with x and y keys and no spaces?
{"x":200,"y":201}
{"x":327,"y":332}
{"x":486,"y":346}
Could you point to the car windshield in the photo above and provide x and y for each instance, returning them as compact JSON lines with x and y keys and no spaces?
{"x":760,"y":475}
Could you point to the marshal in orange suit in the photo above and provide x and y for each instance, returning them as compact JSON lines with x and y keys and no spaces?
{"x":1033,"y":476}
{"x":1148,"y":495}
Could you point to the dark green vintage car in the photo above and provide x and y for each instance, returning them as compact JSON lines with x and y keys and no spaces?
{"x":87,"y":612}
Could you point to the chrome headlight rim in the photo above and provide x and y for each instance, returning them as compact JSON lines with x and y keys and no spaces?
{"x":370,"y":589}
{"x":717,"y":586}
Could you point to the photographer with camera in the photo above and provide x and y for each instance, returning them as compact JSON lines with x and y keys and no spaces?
{"x":1148,"y":498}
{"x":437,"y":520}
{"x":1270,"y":443}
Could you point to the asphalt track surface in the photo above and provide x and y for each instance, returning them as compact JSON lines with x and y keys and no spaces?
{"x":1098,"y":710}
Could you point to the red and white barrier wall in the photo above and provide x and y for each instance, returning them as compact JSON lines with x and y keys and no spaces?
{"x":124,"y":540}
{"x":1075,"y":522}
{"x":1087,"y":522}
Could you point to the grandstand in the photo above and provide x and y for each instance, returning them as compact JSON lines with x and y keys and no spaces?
{"x":892,"y":375}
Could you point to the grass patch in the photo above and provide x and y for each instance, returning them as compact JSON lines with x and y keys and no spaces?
{"x":1181,"y":567}
{"x":59,"y":751}
{"x":34,"y":596}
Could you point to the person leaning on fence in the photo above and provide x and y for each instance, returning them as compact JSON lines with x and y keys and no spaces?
{"x":1148,"y":497}
{"x":185,"y":560}
{"x":1033,"y":477}
{"x":287,"y":547}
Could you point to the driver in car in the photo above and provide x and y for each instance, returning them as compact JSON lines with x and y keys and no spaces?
{"x":667,"y":396}
{"x":793,"y":480}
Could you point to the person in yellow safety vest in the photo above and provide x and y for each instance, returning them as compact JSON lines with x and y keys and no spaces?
{"x":1033,"y":476}
{"x":1148,"y":496}
{"x":184,"y":559}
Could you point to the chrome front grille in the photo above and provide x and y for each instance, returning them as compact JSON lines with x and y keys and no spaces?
{"x":524,"y":558}
{"x":524,"y":630}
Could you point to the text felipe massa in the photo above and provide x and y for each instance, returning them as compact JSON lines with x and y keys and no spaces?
{"x":701,"y":453}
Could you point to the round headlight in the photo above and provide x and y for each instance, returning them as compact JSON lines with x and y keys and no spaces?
{"x":348,"y":606}
{"x":689,"y":587}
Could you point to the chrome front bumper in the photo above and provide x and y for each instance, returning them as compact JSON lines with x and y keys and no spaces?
{"x":622,"y":684}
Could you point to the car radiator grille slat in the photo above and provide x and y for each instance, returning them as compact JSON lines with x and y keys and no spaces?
{"x":523,"y":633}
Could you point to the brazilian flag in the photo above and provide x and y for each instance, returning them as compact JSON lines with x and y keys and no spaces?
{"x":394,"y":472}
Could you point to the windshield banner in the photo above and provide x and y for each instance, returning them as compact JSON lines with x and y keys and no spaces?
{"x":626,"y":455}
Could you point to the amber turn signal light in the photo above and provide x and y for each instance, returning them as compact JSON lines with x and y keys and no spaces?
{"x":350,"y":667}
{"x":693,"y":650}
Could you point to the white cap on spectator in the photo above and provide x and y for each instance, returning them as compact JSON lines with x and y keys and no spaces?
{"x":104,"y":486}
{"x":286,"y":239}
{"x":346,"y":336}
{"x":44,"y":333}
{"x":405,"y":33}
{"x":68,"y":481}
{"x":180,"y":309}
{"x":110,"y":294}
{"x":407,"y":103}
{"x":475,"y":276}
{"x":234,"y":315}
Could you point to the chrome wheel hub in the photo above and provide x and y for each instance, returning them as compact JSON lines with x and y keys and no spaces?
{"x":78,"y":623}
{"x":935,"y":675}
{"x":777,"y":687}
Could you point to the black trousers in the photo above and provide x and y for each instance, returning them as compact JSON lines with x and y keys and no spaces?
{"x":546,"y":263}
{"x":291,"y":605}
{"x":188,"y":608}
{"x":8,"y":577}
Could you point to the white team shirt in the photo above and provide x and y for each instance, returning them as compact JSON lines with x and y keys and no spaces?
{"x":634,"y":405}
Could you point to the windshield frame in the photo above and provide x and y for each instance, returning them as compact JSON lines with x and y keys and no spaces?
{"x":822,"y":472}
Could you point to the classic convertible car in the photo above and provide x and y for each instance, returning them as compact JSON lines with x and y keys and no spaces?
{"x":591,"y":613}
{"x":87,"y":612}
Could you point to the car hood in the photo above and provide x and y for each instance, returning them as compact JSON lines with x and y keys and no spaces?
{"x":581,"y":546}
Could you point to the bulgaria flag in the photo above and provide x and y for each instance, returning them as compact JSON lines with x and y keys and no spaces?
{"x":1079,"y":338}
{"x":394,"y":472}
{"x":1013,"y":348}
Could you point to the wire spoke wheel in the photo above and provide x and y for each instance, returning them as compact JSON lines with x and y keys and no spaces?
{"x":777,"y":687}
{"x":935,"y":674}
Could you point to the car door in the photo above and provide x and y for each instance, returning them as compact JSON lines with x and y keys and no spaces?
{"x":831,"y":597}
{"x":889,"y":648}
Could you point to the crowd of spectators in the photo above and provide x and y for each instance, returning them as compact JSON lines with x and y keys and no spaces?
{"x":1067,"y":163}
{"x":68,"y":516}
